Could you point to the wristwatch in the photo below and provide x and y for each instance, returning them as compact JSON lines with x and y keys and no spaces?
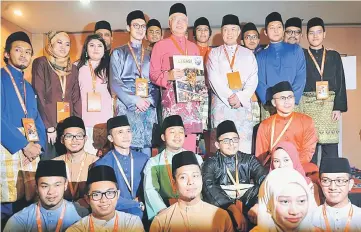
{"x":141,"y":205}
{"x":47,"y":130}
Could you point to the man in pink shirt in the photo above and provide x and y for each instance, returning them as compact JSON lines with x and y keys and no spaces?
{"x":163,"y":74}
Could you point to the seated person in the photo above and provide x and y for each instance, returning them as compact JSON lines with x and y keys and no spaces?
{"x":190,"y":213}
{"x":102,"y":196}
{"x":285,"y":155}
{"x":228,"y":175}
{"x":285,"y":202}
{"x":52,"y":212}
{"x":337,"y":213}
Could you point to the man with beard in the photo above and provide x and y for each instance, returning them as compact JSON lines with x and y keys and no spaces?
{"x":19,"y":155}
{"x":159,"y":189}
{"x":324,"y":97}
{"x":250,"y":37}
{"x":103,"y":29}
{"x":52,"y":212}
{"x":231,"y":179}
{"x":154,"y":33}
{"x":76,"y":159}
{"x":190,"y":213}
{"x":137,"y":97}
{"x":102,"y":194}
{"x":293,"y":31}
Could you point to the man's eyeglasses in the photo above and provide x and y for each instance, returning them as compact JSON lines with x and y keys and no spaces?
{"x":283,"y":98}
{"x":228,"y":141}
{"x":251,"y":37}
{"x":97,"y":196}
{"x":291,"y":32}
{"x":71,"y":137}
{"x":326,"y":182}
{"x":137,"y":26}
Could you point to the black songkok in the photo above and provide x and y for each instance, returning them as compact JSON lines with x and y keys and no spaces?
{"x":153,"y":22}
{"x":73,"y":121}
{"x":335,"y":165}
{"x":249,"y":27}
{"x":280,"y":87}
{"x":50,"y":168}
{"x":315,"y":22}
{"x":137,"y":14}
{"x":226,"y":127}
{"x":183,"y":158}
{"x":17,"y":36}
{"x":102,"y":25}
{"x":230,"y":19}
{"x":174,"y":120}
{"x":101,"y":173}
{"x":274,"y":16}
{"x":117,"y":121}
{"x":294,"y":22}
{"x":178,"y":8}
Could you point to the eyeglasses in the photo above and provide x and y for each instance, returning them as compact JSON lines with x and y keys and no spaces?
{"x":283,"y":98}
{"x":97,"y":196}
{"x":137,"y":26}
{"x":291,"y":32}
{"x":326,"y":182}
{"x":251,"y":37}
{"x":228,"y":141}
{"x":71,"y":137}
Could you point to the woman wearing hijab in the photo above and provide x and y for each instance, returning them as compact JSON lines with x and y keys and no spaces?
{"x":285,"y":202}
{"x":93,"y":67}
{"x":285,"y":154}
{"x":55,"y":81}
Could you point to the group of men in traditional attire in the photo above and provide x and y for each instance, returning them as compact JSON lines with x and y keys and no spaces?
{"x":296,"y":95}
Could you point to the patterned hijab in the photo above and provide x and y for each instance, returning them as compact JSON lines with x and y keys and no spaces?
{"x":60,"y":65}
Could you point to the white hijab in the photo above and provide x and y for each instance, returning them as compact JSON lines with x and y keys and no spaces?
{"x":271,"y":188}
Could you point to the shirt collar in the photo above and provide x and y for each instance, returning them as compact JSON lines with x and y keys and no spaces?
{"x":318,"y":51}
{"x":276,"y":46}
{"x":343,"y":210}
{"x":122,"y":156}
{"x":16,"y":73}
{"x":135,"y":45}
{"x":103,"y":223}
{"x":193,"y":208}
{"x":179,"y":39}
{"x":49,"y":211}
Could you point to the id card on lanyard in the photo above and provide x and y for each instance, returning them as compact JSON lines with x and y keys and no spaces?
{"x":141,"y":84}
{"x":94,"y":99}
{"x":31,"y":133}
{"x":322,"y":88}
{"x":234,"y":78}
{"x":62,"y":108}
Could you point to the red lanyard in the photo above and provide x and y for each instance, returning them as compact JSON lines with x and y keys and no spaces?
{"x":60,"y":220}
{"x":115,"y":228}
{"x":21,"y":100}
{"x":179,"y":48}
{"x":74,"y":190}
{"x":139,"y":66}
{"x":233,"y":58}
{"x":328,"y":227}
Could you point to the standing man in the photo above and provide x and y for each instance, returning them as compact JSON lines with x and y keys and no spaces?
{"x":127,"y":164}
{"x":293,"y":31}
{"x":337,"y":213}
{"x":279,"y":62}
{"x":202,"y":32}
{"x":159,"y":189}
{"x":324,"y":97}
{"x":163,"y":74}
{"x":51,"y":212}
{"x":137,"y":97}
{"x":154,"y":33}
{"x":103,"y":29}
{"x":232,"y":72}
{"x":19,"y":153}
{"x":102,"y":190}
{"x":250,"y":37}
{"x":190,"y":212}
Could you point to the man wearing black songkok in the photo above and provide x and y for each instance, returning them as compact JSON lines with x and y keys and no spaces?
{"x":103,"y":29}
{"x":227,"y":178}
{"x":324,"y":97}
{"x":337,"y":213}
{"x":187,"y":178}
{"x":250,"y":37}
{"x":293,"y":31}
{"x":153,"y":33}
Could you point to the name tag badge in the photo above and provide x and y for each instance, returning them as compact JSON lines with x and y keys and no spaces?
{"x":94,"y":103}
{"x":62,"y":111}
{"x":322,"y":90}
{"x":234,"y":80}
{"x":141,"y":87}
{"x":254,"y":98}
{"x":31,"y":133}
